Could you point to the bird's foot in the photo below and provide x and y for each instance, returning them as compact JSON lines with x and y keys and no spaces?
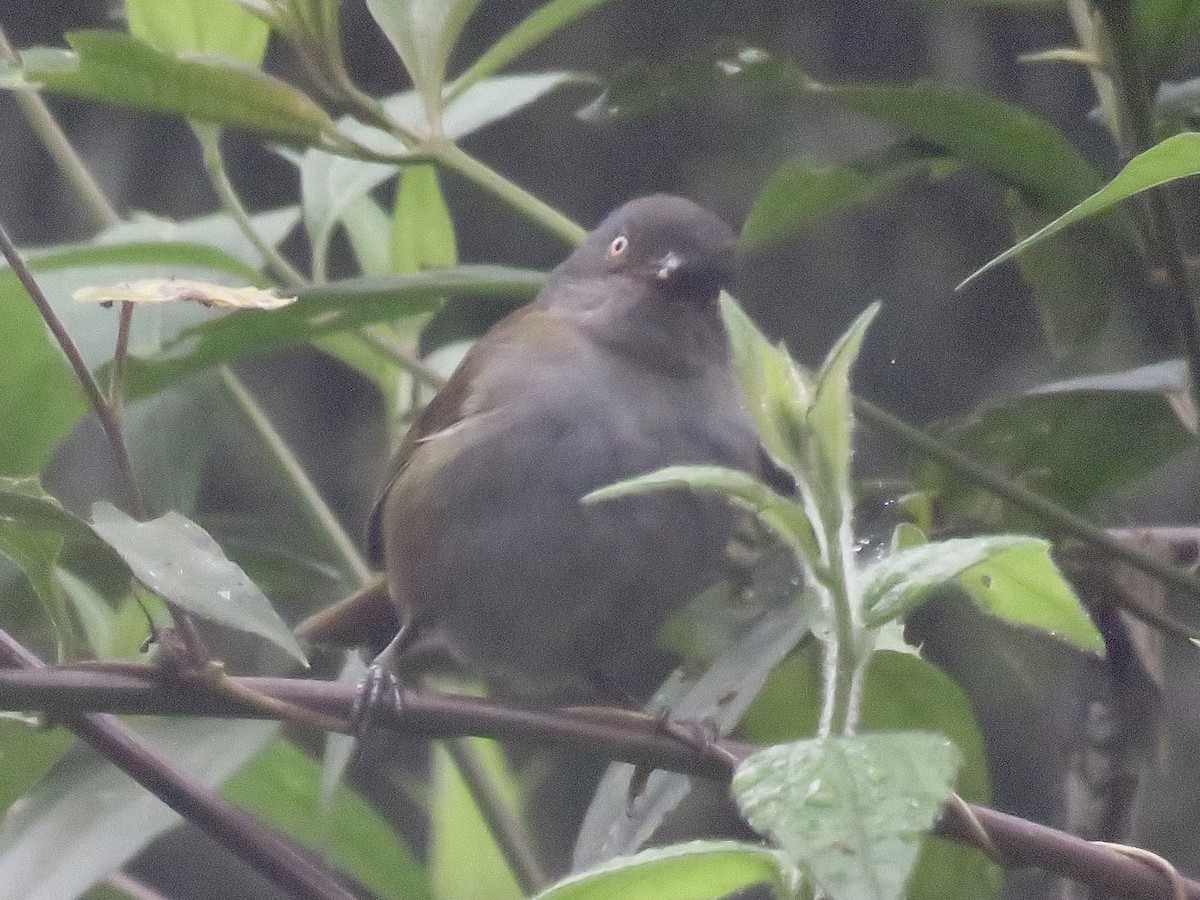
{"x":379,"y":694}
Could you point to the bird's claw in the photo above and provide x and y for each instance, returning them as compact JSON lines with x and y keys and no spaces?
{"x":379,"y":692}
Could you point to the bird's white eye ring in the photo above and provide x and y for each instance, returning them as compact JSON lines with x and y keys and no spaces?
{"x":618,"y":245}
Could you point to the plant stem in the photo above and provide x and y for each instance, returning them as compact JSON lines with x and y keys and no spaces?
{"x":87,"y":381}
{"x":1136,"y":133}
{"x":452,"y":157}
{"x":69,"y":163}
{"x":218,"y":174}
{"x":116,"y":378}
{"x":311,"y":502}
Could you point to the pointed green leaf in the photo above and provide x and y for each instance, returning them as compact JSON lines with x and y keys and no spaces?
{"x":697,"y":870}
{"x":831,"y":416}
{"x":178,"y":560}
{"x":116,"y":68}
{"x":897,"y":584}
{"x":1176,"y":157}
{"x":531,"y":31}
{"x":783,"y":516}
{"x":1022,"y":585}
{"x":422,"y":228}
{"x":327,"y":309}
{"x":424,"y":33}
{"x":850,"y":810}
{"x":208,"y":26}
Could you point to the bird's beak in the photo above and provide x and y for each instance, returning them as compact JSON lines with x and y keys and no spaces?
{"x":671,"y":263}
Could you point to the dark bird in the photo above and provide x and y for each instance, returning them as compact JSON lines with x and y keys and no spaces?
{"x":619,"y":367}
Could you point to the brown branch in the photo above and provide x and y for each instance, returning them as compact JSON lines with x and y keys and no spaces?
{"x":236,"y":829}
{"x":628,"y":737}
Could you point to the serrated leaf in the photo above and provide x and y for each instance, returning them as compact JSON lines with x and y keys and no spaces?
{"x":328,"y":309}
{"x":831,"y":417}
{"x":210,"y":26}
{"x":850,"y":810}
{"x":531,"y":31}
{"x":116,"y":68}
{"x":783,"y":516}
{"x":85,"y":820}
{"x":1176,"y":157}
{"x":178,"y":560}
{"x":697,"y":870}
{"x":1022,"y":585}
{"x":282,"y":786}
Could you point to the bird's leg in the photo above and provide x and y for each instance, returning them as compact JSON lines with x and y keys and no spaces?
{"x":381,"y":687}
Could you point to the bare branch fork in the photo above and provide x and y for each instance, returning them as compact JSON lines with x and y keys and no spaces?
{"x":69,"y":694}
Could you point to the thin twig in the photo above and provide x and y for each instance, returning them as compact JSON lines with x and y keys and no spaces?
{"x":615,"y":735}
{"x":237,"y":830}
{"x":407,"y":360}
{"x":116,"y":380}
{"x":91,"y":388}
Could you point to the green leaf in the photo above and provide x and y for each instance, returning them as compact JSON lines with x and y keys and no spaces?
{"x":1166,"y":28}
{"x":116,"y":68}
{"x":1078,"y":447}
{"x":1022,"y":585}
{"x":24,"y":503}
{"x":86,"y":820}
{"x":808,"y":189}
{"x":903,"y":693}
{"x":831,"y":416}
{"x":26,"y":755}
{"x":531,"y":31}
{"x":282,"y":786}
{"x":369,"y":230}
{"x":1176,"y":157}
{"x":464,"y":861}
{"x":897,"y":584}
{"x":41,"y":398}
{"x":424,"y":33}
{"x":328,"y":309}
{"x":422,"y":228}
{"x":784,"y":517}
{"x":178,"y":560}
{"x":697,"y":870}
{"x":209,"y":26}
{"x":850,"y":810}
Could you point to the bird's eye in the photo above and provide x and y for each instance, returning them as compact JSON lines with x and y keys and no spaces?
{"x":618,"y":245}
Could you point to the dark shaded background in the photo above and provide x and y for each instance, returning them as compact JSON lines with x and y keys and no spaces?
{"x":932,"y":352}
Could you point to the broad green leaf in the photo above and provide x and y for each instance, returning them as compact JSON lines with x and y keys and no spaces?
{"x":41,"y":398}
{"x":113,"y":67}
{"x":1176,"y":157}
{"x":35,"y":550}
{"x":903,"y":693}
{"x":281,"y":785}
{"x":784,"y":517}
{"x":831,"y":417}
{"x":424,"y":33}
{"x":338,"y":306}
{"x":464,"y":861}
{"x":778,"y":392}
{"x":178,"y":560}
{"x":897,"y":584}
{"x":369,"y":230}
{"x":209,"y":26}
{"x":87,"y":818}
{"x":808,"y":189}
{"x":850,"y":810}
{"x":1078,"y":447}
{"x":1022,"y":585}
{"x":26,"y":755}
{"x":422,"y":229}
{"x":531,"y":31}
{"x":697,"y":870}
